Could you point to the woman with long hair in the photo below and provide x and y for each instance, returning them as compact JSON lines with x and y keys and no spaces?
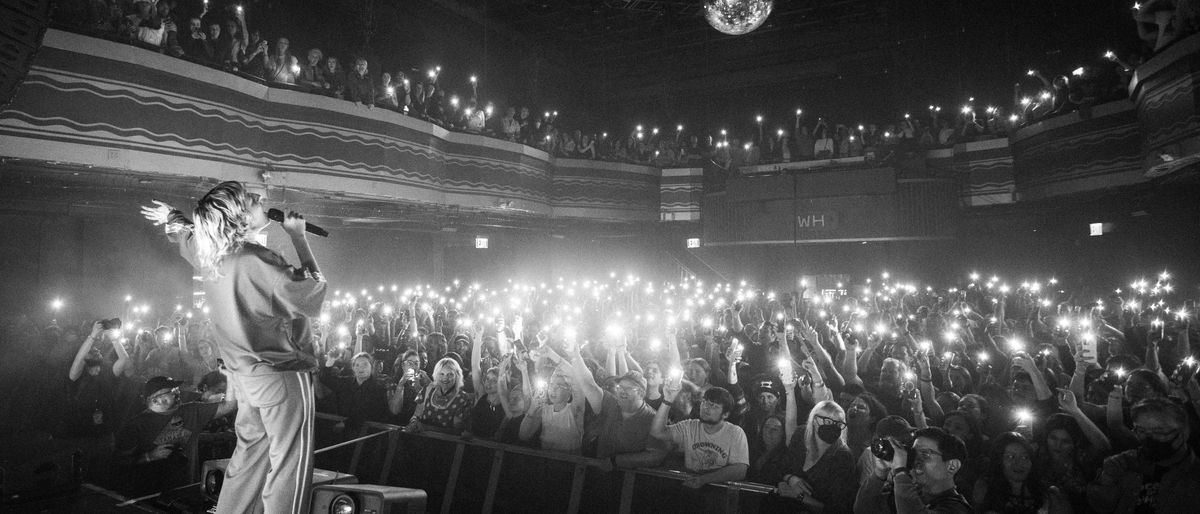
{"x":1013,"y":483}
{"x":1068,"y":457}
{"x":259,"y":307}
{"x":823,"y":477}
{"x":772,"y":459}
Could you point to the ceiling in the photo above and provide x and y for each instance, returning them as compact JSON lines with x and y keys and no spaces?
{"x":634,"y":47}
{"x":606,"y":64}
{"x":863,"y":58}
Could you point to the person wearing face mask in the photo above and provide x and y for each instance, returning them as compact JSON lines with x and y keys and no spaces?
{"x":151,"y":447}
{"x":1161,"y":475}
{"x":1141,"y":384}
{"x":823,"y":479}
{"x":926,"y":485}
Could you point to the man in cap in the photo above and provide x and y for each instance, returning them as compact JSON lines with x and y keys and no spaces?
{"x":152,"y":446}
{"x":623,"y":430}
{"x":767,"y":391}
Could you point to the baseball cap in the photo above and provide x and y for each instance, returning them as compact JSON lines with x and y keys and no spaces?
{"x":159,"y":383}
{"x":635,"y":377}
{"x":766,"y":383}
{"x":893,"y":426}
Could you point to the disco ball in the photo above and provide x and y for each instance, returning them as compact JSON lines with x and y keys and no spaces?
{"x":737,"y":17}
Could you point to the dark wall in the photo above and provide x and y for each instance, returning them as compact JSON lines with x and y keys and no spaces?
{"x":90,"y":262}
{"x":93,"y":261}
{"x":1151,"y":230}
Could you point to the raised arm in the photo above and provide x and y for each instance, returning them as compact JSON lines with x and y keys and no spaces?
{"x":673,"y":358}
{"x":791,"y":408}
{"x":658,"y":428}
{"x":610,"y":361}
{"x":293,"y":224}
{"x":925,"y":382}
{"x":584,"y":380}
{"x":477,"y":360}
{"x":1026,"y":364}
{"x":819,"y":390}
{"x":812,"y":342}
{"x":503,"y":388}
{"x":850,"y":364}
{"x":80,"y":356}
{"x":532,"y":422}
{"x":630,"y":362}
{"x":1069,"y":405}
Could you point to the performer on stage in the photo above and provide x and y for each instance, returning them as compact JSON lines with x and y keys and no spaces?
{"x":260,"y":309}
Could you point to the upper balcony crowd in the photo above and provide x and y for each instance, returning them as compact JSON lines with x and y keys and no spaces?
{"x":222,"y":39}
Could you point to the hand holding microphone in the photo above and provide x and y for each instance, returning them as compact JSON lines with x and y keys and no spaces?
{"x":294,"y":223}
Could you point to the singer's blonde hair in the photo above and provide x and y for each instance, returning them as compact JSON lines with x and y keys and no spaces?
{"x":221,"y":224}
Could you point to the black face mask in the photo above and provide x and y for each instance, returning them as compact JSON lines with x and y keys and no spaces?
{"x":829,"y":433}
{"x":1155,"y":450}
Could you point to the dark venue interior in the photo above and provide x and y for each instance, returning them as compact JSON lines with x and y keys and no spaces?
{"x":599,"y":256}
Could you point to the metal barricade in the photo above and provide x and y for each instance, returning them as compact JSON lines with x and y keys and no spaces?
{"x":475,"y":475}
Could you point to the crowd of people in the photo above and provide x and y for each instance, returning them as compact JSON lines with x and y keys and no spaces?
{"x":984,"y":397}
{"x":223,"y":40}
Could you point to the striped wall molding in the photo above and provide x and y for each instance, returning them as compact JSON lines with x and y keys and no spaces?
{"x":94,"y":103}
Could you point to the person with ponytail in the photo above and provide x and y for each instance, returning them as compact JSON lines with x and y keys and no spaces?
{"x":260,"y":307}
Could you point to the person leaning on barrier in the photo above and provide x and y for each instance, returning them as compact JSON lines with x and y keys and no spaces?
{"x":925,"y":486}
{"x":712,"y":447}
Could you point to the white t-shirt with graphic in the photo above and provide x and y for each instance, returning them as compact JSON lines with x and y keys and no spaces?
{"x":704,"y":452}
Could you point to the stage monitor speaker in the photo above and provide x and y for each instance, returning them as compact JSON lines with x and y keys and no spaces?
{"x":22,"y":25}
{"x":367,"y":499}
{"x":213,"y":477}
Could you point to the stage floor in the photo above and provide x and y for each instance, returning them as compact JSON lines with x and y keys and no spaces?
{"x":90,"y":498}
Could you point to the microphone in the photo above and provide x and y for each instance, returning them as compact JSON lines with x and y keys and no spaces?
{"x":277,"y":215}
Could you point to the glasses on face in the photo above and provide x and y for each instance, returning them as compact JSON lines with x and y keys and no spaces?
{"x":1013,"y":458}
{"x":1162,"y":435}
{"x":624,"y":389}
{"x":926,"y":454}
{"x":413,"y":363}
{"x":826,"y":420}
{"x":560,"y":386}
